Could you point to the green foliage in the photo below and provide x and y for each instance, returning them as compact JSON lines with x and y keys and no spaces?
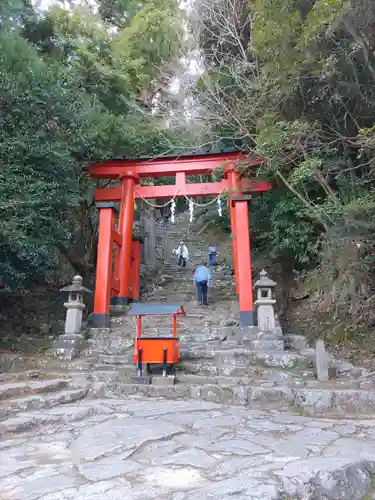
{"x":69,"y":91}
{"x":285,"y":34}
{"x":293,"y":232}
{"x":141,"y":49}
{"x":282,"y":228}
{"x":307,"y":105}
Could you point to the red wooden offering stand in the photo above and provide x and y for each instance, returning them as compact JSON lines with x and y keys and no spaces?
{"x":156,"y":350}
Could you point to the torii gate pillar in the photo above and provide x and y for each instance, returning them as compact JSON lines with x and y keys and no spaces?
{"x":128,"y":182}
{"x":239,"y":215}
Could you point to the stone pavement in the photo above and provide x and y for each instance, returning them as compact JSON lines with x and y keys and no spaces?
{"x":125,"y":449}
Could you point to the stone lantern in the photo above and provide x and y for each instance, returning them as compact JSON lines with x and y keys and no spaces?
{"x":68,"y":344}
{"x":265,"y":302}
{"x":75,"y":305}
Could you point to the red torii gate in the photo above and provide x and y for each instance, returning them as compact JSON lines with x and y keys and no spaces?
{"x":122,"y":285}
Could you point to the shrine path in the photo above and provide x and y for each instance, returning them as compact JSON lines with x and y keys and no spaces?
{"x":117,"y":449}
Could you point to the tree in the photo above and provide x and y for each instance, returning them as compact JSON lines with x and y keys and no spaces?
{"x":69,"y":91}
{"x":299,"y":89}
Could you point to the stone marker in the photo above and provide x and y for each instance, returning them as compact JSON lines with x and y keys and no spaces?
{"x":321,"y":361}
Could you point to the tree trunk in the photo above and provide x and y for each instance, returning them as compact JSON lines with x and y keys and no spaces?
{"x":149,"y":247}
{"x":79,"y":264}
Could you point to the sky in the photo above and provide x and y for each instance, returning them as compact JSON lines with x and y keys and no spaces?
{"x":44,"y":4}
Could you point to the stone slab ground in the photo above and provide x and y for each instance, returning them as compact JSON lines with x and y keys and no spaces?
{"x":125,"y":449}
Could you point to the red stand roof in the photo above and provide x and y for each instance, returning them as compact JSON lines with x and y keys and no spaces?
{"x":155,"y":309}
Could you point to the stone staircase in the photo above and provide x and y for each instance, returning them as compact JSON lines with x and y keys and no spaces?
{"x":221,"y":361}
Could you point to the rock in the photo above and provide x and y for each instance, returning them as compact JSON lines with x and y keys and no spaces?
{"x":45,"y":401}
{"x":186,"y":450}
{"x":328,"y":478}
{"x":108,"y":468}
{"x":193,"y":458}
{"x":309,"y":352}
{"x":6,"y":362}
{"x":343,"y":366}
{"x":296,"y":342}
{"x":164,"y":381}
{"x":317,"y":400}
{"x":120,"y":435}
{"x":144,"y":380}
{"x":165,"y":278}
{"x":228,"y":322}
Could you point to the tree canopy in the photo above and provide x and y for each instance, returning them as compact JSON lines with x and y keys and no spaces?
{"x":295,"y":81}
{"x":292,"y":80}
{"x":74,"y":86}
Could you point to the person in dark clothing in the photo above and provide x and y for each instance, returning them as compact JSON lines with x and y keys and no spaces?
{"x":212,"y":255}
{"x":165,"y":216}
{"x":202,"y":277}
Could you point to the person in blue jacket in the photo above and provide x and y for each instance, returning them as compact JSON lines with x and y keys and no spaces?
{"x":202,"y":277}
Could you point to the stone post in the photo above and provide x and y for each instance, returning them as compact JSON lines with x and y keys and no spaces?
{"x":265,"y":303}
{"x":66,"y":347}
{"x":321,"y":361}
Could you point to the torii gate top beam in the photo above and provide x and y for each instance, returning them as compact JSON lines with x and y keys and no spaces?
{"x":168,"y":166}
{"x":182,"y":189}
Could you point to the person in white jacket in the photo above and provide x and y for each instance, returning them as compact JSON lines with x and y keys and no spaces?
{"x":182,"y":254}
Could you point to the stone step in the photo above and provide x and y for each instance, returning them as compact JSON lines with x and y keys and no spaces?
{"x":219,"y":281}
{"x":208,"y":367}
{"x":23,"y":376}
{"x":265,"y":345}
{"x":111,"y":376}
{"x":274,"y":378}
{"x":215,"y":298}
{"x":246,"y":357}
{"x":81,"y":364}
{"x":43,"y":364}
{"x":116,"y":360}
{"x":298,"y":342}
{"x":184,"y":328}
{"x":273,"y":358}
{"x":200,"y":335}
{"x":251,"y":373}
{"x":313,"y":402}
{"x":215,"y":380}
{"x":257,"y":336}
{"x":124,"y":367}
{"x":23,"y":388}
{"x":189,"y":292}
{"x":75,"y":379}
{"x":54,"y":416}
{"x":172,"y":281}
{"x":38,"y":402}
{"x":67,"y":376}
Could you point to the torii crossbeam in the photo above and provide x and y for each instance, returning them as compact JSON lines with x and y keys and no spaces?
{"x":123,"y":285}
